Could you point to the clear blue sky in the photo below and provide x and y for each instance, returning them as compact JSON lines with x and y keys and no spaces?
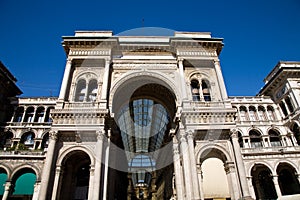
{"x":257,"y":34}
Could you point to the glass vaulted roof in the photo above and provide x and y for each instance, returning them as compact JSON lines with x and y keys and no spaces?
{"x":143,"y":124}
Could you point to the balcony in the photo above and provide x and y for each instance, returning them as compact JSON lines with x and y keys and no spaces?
{"x":278,"y":150}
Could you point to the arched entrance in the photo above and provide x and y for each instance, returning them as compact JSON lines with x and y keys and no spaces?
{"x":288,"y":182}
{"x":215,"y":174}
{"x":3,"y":179}
{"x":144,"y":120}
{"x":23,"y":182}
{"x":262,"y":181}
{"x":74,"y":182}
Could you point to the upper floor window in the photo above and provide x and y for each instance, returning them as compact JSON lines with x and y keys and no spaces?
{"x":283,"y":108}
{"x":92,"y":90}
{"x":240,"y":139}
{"x":86,"y":91}
{"x":205,"y":90}
{"x":261,"y":113}
{"x":243,"y":113}
{"x":29,"y":114}
{"x":195,"y":90}
{"x":271,"y":113}
{"x":274,"y":138}
{"x":19,"y":114}
{"x":289,"y":104}
{"x":39,"y":115}
{"x":255,"y":139}
{"x":27,"y":139}
{"x":252,"y":113}
{"x":296,"y":132}
{"x":80,"y":90}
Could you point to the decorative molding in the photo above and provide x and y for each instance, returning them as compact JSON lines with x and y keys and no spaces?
{"x":89,"y":52}
{"x":137,"y":66}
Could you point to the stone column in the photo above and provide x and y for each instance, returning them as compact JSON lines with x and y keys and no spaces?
{"x":37,"y":186}
{"x":182,"y":78}
{"x":48,"y":165}
{"x":7,"y":188}
{"x":200,"y":179}
{"x":240,"y":164}
{"x":251,"y":188}
{"x":65,"y":80}
{"x":91,"y":182}
{"x":56,"y":186}
{"x":190,"y":138}
{"x":98,"y":161}
{"x":232,"y":180}
{"x":105,"y":80}
{"x":106,"y":167}
{"x":186,"y":164}
{"x":220,"y":78}
{"x":277,"y":188}
{"x":178,"y":170}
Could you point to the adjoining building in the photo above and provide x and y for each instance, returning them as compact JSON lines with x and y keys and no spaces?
{"x":148,"y":117}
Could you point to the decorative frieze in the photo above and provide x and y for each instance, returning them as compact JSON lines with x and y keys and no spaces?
{"x":197,"y":53}
{"x":89,"y":52}
{"x":209,"y":117}
{"x":156,"y":65}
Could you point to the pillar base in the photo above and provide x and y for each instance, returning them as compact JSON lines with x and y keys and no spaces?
{"x":247,"y":198}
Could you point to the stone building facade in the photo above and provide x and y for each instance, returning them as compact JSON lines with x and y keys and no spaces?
{"x":142,"y":117}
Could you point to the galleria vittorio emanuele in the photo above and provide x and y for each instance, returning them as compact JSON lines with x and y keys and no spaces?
{"x":148,"y":117}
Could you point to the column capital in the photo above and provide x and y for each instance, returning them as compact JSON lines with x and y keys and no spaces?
{"x":7,"y":185}
{"x":175,"y":149}
{"x":53,"y":135}
{"x":100,"y":134}
{"x":180,"y":60}
{"x":182,"y":138}
{"x":229,"y":167}
{"x":216,"y":60}
{"x":190,"y":134}
{"x":69,"y":60}
{"x":233,"y":133}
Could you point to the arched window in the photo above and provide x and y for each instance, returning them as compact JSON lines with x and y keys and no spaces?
{"x":255,"y":139}
{"x":243,"y":113}
{"x":274,"y":138}
{"x":5,"y":139}
{"x":289,"y":104}
{"x":47,"y":116}
{"x":39,"y":116}
{"x":252,"y":113}
{"x":92,"y":90}
{"x":205,"y":91}
{"x":195,"y":90}
{"x":80,"y":90}
{"x":283,"y":108}
{"x":27,"y":139}
{"x":271,"y":113}
{"x":261,"y":113}
{"x":45,"y":141}
{"x":296,"y":132}
{"x":240,"y":139}
{"x":29,"y":114}
{"x":19,"y":114}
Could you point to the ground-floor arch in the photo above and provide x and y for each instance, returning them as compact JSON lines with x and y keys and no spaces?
{"x":218,"y":174}
{"x":262,"y":180}
{"x":3,"y":179}
{"x":23,"y":183}
{"x":287,"y":179}
{"x":74,"y":181}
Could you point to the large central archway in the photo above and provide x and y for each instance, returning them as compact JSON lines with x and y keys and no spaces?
{"x":144,"y":119}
